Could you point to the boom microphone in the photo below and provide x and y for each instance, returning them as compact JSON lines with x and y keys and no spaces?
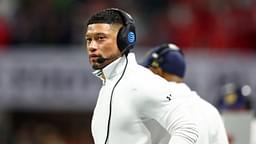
{"x":102,"y":59}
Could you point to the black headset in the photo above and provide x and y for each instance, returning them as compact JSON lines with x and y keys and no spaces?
{"x":157,"y":55}
{"x":126,"y":37}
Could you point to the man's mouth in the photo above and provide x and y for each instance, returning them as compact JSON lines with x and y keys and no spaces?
{"x":93,"y":57}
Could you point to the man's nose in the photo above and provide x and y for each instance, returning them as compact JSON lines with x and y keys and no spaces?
{"x":92,"y":46}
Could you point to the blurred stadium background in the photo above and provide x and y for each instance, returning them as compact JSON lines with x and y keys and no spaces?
{"x":47,"y":91}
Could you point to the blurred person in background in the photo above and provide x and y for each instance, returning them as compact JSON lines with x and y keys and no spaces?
{"x":167,"y":61}
{"x":235,"y":103}
{"x":235,"y":97}
{"x":130,"y":97}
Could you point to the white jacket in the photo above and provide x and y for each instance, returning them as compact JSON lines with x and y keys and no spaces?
{"x":210,"y":123}
{"x":135,"y":106}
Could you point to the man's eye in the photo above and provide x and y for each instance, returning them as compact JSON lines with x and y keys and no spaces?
{"x":101,"y":37}
{"x":88,"y":39}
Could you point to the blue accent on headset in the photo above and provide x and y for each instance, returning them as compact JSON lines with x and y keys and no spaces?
{"x":131,"y":37}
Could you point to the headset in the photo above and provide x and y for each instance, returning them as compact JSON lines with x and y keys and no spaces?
{"x":126,"y":37}
{"x":157,"y":55}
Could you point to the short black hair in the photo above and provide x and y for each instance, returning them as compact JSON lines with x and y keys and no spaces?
{"x":108,"y":16}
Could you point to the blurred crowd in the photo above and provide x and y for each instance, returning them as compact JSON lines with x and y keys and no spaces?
{"x":50,"y":128}
{"x":214,"y":25}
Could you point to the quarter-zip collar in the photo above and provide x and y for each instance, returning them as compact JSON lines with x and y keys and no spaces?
{"x":113,"y":69}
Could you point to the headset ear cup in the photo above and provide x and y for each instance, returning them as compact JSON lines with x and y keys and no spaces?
{"x":121,"y":39}
{"x":126,"y":37}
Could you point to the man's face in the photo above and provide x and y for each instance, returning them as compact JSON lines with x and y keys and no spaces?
{"x":101,"y":43}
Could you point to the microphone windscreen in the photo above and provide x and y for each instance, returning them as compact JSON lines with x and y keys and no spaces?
{"x":101,"y":60}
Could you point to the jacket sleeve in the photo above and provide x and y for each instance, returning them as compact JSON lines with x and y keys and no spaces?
{"x":173,"y":114}
{"x":181,"y":124}
{"x":159,"y":100}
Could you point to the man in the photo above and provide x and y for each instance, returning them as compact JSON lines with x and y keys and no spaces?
{"x":131,"y":97}
{"x":168,"y":61}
